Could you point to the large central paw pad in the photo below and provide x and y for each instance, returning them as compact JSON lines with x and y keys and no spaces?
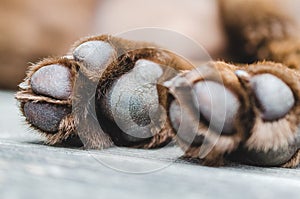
{"x":217,"y":104}
{"x":209,"y":111}
{"x":131,"y":102}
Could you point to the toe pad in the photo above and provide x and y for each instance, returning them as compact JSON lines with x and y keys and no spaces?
{"x":45,"y":116}
{"x":95,"y":55}
{"x":274,"y":96}
{"x":52,"y":80}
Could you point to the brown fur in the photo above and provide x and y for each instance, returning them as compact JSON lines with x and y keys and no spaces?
{"x":251,"y":26}
{"x":294,"y":161}
{"x":285,"y":51}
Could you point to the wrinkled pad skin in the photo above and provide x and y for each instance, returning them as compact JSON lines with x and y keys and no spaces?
{"x":132,"y":103}
{"x":45,"y":116}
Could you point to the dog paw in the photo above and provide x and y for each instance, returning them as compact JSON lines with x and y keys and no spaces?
{"x":106,"y":92}
{"x":210,"y":111}
{"x":245,"y":114}
{"x":274,"y":94}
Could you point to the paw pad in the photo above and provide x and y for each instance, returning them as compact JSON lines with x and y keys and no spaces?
{"x":52,"y":80}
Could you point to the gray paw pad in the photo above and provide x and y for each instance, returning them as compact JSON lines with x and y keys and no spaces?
{"x":95,"y":55}
{"x":52,"y":80}
{"x":274,"y":96}
{"x":217,"y":104}
{"x":45,"y":116}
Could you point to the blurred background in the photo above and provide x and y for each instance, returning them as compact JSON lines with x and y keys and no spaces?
{"x":31,"y":30}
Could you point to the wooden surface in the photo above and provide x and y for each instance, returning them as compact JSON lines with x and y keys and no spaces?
{"x":29,"y":169}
